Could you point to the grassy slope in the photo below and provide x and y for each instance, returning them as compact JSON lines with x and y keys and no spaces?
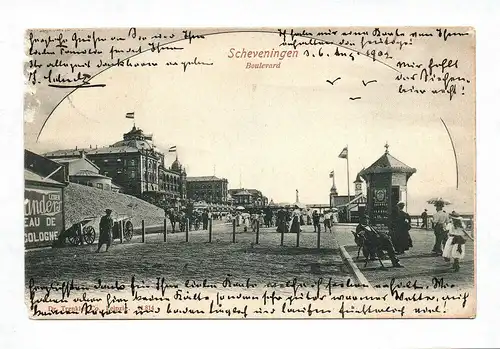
{"x":81,"y":201}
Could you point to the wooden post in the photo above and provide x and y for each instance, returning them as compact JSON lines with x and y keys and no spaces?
{"x":187,"y":229}
{"x":164,"y":230}
{"x":234,"y":230}
{"x":80,"y":233}
{"x":298,"y":238}
{"x":282,"y":236}
{"x":143,"y":231}
{"x":319,"y":238}
{"x":210,"y":229}
{"x":121,"y":229}
{"x":257,"y":233}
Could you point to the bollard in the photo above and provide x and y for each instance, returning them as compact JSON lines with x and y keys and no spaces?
{"x":80,"y":233}
{"x":187,"y":229}
{"x":282,"y":236}
{"x":234,"y":230}
{"x":298,"y":238}
{"x":122,"y":228}
{"x":257,"y":233}
{"x":143,"y":231}
{"x":164,"y":230}
{"x":210,"y":230}
{"x":319,"y":237}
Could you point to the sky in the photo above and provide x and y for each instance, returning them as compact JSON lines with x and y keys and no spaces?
{"x":276,"y":130}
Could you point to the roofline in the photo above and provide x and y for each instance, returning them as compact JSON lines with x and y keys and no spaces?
{"x":44,"y":184}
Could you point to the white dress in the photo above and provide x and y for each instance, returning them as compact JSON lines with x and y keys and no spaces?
{"x":451,"y":250}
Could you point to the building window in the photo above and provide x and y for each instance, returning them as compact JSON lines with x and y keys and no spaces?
{"x":107,"y":187}
{"x":132,"y":174}
{"x":99,"y":185}
{"x":132,"y":162}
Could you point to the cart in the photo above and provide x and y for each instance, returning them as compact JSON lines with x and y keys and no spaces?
{"x":124,"y":223}
{"x":83,"y":232}
{"x":79,"y":233}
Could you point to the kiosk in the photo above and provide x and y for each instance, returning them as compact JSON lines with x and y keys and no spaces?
{"x":386,"y":181}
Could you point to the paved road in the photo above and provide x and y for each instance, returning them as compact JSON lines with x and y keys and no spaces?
{"x":177,"y":260}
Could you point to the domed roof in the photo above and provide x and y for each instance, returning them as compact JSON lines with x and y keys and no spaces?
{"x":134,"y":143}
{"x":176,"y":165}
{"x":136,"y":138}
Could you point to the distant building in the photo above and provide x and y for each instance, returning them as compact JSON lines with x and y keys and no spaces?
{"x":355,"y":204}
{"x":211,"y":189}
{"x":135,"y":165}
{"x":83,"y":171}
{"x":248,"y":198}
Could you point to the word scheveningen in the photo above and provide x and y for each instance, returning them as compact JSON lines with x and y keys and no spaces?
{"x":279,"y":54}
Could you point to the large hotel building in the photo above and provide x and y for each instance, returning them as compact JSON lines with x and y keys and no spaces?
{"x":136,"y":166}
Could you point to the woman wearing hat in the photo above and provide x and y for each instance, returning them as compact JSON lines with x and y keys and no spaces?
{"x":401,"y":229}
{"x":454,"y":248}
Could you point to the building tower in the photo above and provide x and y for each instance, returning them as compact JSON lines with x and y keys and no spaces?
{"x":358,"y":186}
{"x":333,"y":190}
{"x":178,"y":168}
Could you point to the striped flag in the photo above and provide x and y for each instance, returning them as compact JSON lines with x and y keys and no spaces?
{"x":343,"y":153}
{"x":130,"y":115}
{"x":172,"y":149}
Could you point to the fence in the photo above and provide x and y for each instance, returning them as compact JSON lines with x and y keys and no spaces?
{"x":418,"y":222}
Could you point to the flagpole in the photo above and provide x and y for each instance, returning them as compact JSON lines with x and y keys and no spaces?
{"x":348,"y":190}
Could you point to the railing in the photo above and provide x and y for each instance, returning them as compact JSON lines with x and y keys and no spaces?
{"x":417,"y":222}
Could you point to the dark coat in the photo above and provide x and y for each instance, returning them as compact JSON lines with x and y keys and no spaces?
{"x":401,"y":225}
{"x":106,"y":229}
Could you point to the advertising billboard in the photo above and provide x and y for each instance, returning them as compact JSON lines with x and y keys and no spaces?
{"x":43,"y":217}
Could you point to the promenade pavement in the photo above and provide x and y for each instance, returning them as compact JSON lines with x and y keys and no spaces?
{"x":419,"y":264}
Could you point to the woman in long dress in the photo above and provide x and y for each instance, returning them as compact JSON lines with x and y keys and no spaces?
{"x":401,"y":229}
{"x":454,"y":249}
{"x":328,"y":221}
{"x":295,"y":222}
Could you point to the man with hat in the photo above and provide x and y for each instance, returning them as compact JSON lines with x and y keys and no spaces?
{"x":424,"y":219}
{"x":439,"y":219}
{"x":105,"y":230}
{"x":374,"y":243}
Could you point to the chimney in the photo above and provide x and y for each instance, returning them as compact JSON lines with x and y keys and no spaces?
{"x":82,"y":154}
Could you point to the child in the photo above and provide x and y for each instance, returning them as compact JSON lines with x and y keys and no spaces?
{"x":455,"y":244}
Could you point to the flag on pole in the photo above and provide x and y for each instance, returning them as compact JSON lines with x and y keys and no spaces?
{"x":172,"y":149}
{"x":331,"y":174}
{"x":343,"y":153}
{"x":130,"y":115}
